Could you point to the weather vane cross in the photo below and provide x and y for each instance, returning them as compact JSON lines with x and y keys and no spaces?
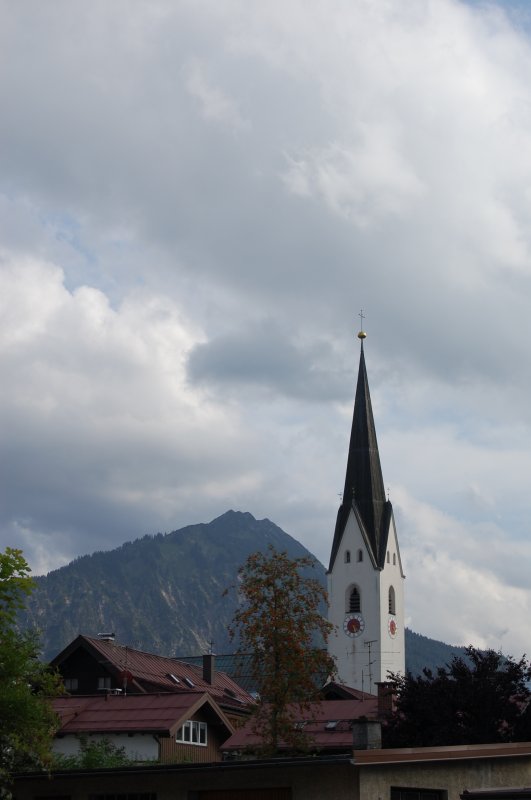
{"x":361,"y":315}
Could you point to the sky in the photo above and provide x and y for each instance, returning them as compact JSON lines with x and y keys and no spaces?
{"x":196,"y":201}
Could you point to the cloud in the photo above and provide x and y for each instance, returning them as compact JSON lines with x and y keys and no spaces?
{"x":264,"y":355}
{"x":196,"y":200}
{"x":467,"y":584}
{"x":215,"y":104}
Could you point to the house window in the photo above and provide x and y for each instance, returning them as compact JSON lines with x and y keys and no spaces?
{"x":347,"y":556}
{"x":360,"y":555}
{"x":71,"y":684}
{"x":104,"y":683}
{"x":418,"y":794}
{"x":354,"y":603}
{"x":192,"y":732}
{"x":392,"y":604}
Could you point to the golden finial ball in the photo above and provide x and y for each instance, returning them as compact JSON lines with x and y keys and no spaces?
{"x":362,"y":335}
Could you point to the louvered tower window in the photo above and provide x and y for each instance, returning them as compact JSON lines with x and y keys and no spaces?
{"x":392,"y":606}
{"x":355,"y":600}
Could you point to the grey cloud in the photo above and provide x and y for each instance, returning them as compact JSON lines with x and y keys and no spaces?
{"x":263,"y":356}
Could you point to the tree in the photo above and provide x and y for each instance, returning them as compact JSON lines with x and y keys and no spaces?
{"x":27,"y":720}
{"x":478,"y":699}
{"x":94,"y":755}
{"x":280,"y":624}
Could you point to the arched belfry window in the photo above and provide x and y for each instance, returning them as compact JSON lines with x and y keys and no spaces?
{"x":347,"y":556}
{"x":360,"y":555}
{"x":354,"y":601}
{"x":394,"y":559}
{"x":392,"y":604}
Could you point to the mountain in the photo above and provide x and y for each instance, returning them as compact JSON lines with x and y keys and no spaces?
{"x":162,"y":593}
{"x":165,"y":593}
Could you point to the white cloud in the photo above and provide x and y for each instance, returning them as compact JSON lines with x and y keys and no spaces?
{"x":458,"y":584}
{"x":215,"y":104}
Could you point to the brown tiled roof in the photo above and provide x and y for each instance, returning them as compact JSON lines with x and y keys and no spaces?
{"x":327,"y":723}
{"x":154,"y":673}
{"x":157,"y":713}
{"x":340,"y":691}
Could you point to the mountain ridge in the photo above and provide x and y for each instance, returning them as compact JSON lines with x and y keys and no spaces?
{"x":165,"y":593}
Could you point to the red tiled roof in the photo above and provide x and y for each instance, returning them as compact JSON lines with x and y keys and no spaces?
{"x":327,"y":723}
{"x":153,"y":673}
{"x":161,"y":713}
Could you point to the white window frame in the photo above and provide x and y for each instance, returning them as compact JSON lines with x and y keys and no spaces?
{"x":193,"y":732}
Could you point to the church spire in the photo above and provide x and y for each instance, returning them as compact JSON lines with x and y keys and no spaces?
{"x":364,"y":487}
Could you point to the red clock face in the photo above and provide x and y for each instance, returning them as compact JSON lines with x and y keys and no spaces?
{"x":392,"y":628}
{"x":354,"y":625}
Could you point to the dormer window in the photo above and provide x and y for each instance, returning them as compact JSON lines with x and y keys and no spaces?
{"x":192,"y":732}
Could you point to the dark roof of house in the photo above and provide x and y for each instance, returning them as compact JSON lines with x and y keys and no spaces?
{"x":147,"y":672}
{"x":340,"y":691}
{"x":327,"y":723}
{"x":364,"y":491}
{"x":142,"y":713}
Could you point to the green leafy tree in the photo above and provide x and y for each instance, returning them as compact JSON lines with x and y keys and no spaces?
{"x":480,"y":698}
{"x":279,"y":622}
{"x":27,"y":720}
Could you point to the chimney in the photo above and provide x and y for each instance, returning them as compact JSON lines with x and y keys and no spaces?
{"x":366,"y":734}
{"x":386,"y":698}
{"x":209,"y":668}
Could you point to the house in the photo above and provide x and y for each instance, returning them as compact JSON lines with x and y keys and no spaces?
{"x":169,"y":727}
{"x":330,"y":726}
{"x":99,"y":665}
{"x":436,"y":773}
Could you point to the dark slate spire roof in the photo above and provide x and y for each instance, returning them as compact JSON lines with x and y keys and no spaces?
{"x":364,"y":487}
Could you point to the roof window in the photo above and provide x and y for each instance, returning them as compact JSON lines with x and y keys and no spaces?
{"x":173,"y":677}
{"x":190,"y":683}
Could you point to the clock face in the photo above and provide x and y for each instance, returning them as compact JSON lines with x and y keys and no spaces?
{"x":354,"y":625}
{"x":392,"y":627}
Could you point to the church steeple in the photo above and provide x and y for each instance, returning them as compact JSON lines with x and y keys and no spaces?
{"x":364,"y":487}
{"x":365,"y":577}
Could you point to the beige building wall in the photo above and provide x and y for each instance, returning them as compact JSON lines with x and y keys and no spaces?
{"x":452,"y":776}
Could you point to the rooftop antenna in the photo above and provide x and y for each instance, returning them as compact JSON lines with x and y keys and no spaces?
{"x":368,"y":644}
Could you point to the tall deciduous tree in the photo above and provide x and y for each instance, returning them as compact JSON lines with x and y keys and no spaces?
{"x":279,"y":621}
{"x":474,"y":700}
{"x":27,"y":721}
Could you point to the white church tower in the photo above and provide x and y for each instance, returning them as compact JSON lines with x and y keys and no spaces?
{"x":365,"y":577}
